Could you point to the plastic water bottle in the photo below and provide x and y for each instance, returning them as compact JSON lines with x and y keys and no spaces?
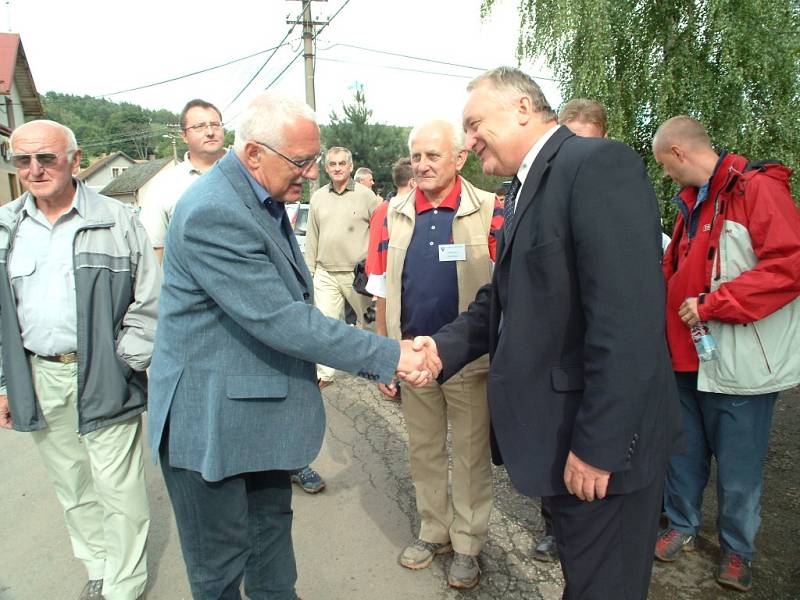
{"x":704,"y":342}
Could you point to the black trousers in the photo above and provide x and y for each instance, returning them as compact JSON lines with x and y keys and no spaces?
{"x":606,"y":546}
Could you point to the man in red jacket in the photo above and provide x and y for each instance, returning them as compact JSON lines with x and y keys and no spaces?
{"x":734,"y":263}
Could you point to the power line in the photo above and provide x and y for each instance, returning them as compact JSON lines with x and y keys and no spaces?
{"x":278,"y":76}
{"x":408,"y":56}
{"x":206,"y":70}
{"x":320,"y":30}
{"x":126,"y":137}
{"x":352,"y":62}
{"x":398,"y":54}
{"x":296,"y":56}
{"x":269,"y":58}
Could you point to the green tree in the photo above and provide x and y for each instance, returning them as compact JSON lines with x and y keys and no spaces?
{"x":473,"y":172}
{"x":733,"y":65}
{"x":373,"y":145}
{"x":102,"y":126}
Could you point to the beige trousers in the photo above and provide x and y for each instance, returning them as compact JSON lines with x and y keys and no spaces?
{"x":463,"y":516}
{"x":99,"y":481}
{"x":331,"y":289}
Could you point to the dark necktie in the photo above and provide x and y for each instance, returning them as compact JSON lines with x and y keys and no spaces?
{"x":509,"y":204}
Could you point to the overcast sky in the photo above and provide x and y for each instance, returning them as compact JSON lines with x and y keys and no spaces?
{"x":98,"y":47}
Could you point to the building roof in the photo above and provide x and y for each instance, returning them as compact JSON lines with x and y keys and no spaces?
{"x":134,"y":177}
{"x":14,"y":68}
{"x":99,"y":164}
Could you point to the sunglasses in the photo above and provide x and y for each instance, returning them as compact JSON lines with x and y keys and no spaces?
{"x":45,"y":159}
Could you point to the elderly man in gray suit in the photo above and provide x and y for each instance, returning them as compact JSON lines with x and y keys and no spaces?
{"x":234,"y":403}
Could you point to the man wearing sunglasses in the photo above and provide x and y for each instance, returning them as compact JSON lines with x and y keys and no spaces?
{"x":202,"y":130}
{"x":79,"y":288}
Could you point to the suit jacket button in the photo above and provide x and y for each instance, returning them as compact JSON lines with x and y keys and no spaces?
{"x":306,"y":295}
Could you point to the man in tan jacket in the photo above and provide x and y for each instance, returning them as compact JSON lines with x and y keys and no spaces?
{"x":433,"y":257}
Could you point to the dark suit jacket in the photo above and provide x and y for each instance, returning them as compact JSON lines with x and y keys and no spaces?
{"x":574,"y":323}
{"x":238,"y":335}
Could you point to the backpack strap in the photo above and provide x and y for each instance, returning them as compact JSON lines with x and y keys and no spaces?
{"x":754,"y":165}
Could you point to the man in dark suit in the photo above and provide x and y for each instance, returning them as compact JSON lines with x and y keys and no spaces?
{"x":583,"y":407}
{"x":234,"y":402}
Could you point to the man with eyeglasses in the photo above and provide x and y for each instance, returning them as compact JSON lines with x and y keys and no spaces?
{"x":79,"y":286}
{"x":202,"y":130}
{"x":234,"y":401}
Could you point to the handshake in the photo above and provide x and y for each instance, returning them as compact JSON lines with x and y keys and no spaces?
{"x":419,"y":364}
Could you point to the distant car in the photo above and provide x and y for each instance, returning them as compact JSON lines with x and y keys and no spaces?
{"x":298,"y":217}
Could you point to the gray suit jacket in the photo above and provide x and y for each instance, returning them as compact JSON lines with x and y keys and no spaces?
{"x":238,"y":337}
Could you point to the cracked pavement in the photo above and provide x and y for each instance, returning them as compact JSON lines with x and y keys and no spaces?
{"x":348,"y":537}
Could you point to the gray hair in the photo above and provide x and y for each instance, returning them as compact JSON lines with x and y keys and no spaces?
{"x":266,"y":116}
{"x":361,"y":173}
{"x":337,"y":150}
{"x":69,"y":135}
{"x":456,"y":133}
{"x":510,"y":83}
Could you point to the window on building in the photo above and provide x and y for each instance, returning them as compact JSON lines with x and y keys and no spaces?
{"x":10,"y":113}
{"x":13,"y":185}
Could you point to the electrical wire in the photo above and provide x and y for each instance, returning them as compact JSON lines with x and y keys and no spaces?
{"x":296,"y":56}
{"x":408,"y":69}
{"x":313,"y":39}
{"x":269,"y":58}
{"x":206,"y":70}
{"x":408,"y":56}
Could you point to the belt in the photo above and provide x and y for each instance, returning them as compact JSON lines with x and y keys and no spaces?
{"x":69,"y":357}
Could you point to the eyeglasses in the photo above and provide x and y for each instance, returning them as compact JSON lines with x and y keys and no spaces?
{"x":303,"y":165}
{"x":201,"y":127}
{"x":45,"y":159}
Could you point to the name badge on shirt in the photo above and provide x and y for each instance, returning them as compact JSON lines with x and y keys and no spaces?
{"x":450,"y":252}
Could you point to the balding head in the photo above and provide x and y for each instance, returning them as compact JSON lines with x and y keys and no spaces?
{"x":681,"y":131}
{"x":39,"y":125}
{"x":683,"y":149}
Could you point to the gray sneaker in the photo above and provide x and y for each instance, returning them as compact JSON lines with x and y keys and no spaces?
{"x":93,"y":590}
{"x":419,"y":555}
{"x":464,"y":572}
{"x":546,"y":549}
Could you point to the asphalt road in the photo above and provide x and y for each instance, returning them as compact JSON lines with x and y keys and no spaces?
{"x":347,"y":538}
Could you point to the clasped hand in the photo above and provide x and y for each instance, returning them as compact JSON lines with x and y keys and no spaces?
{"x":419,"y":364}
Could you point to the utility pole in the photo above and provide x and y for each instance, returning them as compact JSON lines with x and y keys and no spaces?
{"x":309,"y":24}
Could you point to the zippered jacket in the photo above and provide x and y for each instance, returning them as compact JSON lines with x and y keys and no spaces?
{"x":472,"y":225}
{"x":117,"y":282}
{"x":740,"y":248}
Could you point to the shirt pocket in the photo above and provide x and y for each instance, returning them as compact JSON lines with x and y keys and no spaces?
{"x":21,"y":266}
